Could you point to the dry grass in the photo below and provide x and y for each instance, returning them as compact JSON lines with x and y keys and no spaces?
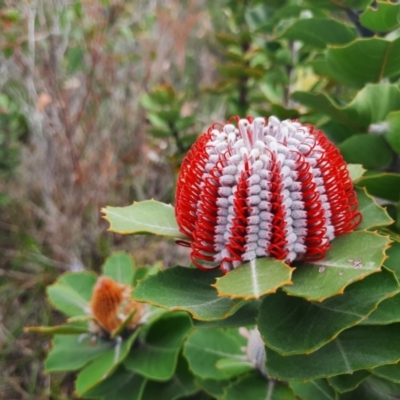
{"x":78,"y":79}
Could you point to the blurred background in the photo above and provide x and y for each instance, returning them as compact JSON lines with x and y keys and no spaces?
{"x":99,"y":101}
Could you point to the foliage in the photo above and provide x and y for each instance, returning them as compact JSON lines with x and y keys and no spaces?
{"x":326,"y":329}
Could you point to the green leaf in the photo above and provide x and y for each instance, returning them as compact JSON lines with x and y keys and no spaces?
{"x":245,"y":316}
{"x":372,"y":151}
{"x":71,"y":352}
{"x":184,"y":123}
{"x":354,"y":4}
{"x":374,"y":388}
{"x":254,"y":279}
{"x":157,"y":355}
{"x":205,"y":347}
{"x":103,"y":366}
{"x":182,"y":384}
{"x":383,"y":17}
{"x":317,"y":32}
{"x":144,"y":217}
{"x":356,"y":171}
{"x":361,"y":347}
{"x":121,"y":385}
{"x":186,"y":289}
{"x":393,"y":129}
{"x":365,"y":60}
{"x":214,"y":388}
{"x":388,"y":312}
{"x":233,"y":366}
{"x":390,"y":372}
{"x":120,"y":267}
{"x":72,"y":292}
{"x":393,"y":260}
{"x":73,"y":328}
{"x":318,"y":389}
{"x":371,"y":104}
{"x":348,"y":382}
{"x":385,"y":185}
{"x":372,"y":214}
{"x":352,"y":257}
{"x":253,"y":386}
{"x":307,"y":326}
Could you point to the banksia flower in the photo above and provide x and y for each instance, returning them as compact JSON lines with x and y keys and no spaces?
{"x":263,"y":188}
{"x":111,"y":305}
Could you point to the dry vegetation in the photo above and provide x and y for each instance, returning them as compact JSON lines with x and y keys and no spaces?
{"x":76,"y":71}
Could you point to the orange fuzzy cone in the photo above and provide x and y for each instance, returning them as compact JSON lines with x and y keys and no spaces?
{"x":111,"y":304}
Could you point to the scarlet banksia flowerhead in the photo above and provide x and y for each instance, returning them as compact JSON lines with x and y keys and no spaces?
{"x":111,"y":305}
{"x":263,"y":188}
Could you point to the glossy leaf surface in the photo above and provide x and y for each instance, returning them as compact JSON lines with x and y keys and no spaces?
{"x":365,"y":60}
{"x":291,"y":325}
{"x":157,"y":355}
{"x":383,"y":17}
{"x":352,"y":257}
{"x":254,"y":387}
{"x":254,"y":279}
{"x":361,"y":347}
{"x":318,"y":389}
{"x":348,"y":382}
{"x":373,"y":215}
{"x":187,"y":289}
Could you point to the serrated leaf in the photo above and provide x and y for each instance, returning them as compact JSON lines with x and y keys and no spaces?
{"x":144,"y":217}
{"x":317,"y":32}
{"x":318,"y":389}
{"x":383,"y":17}
{"x":390,"y":372}
{"x":365,"y":60}
{"x":142,"y":272}
{"x":370,"y":105}
{"x":253,"y":386}
{"x":356,"y":171}
{"x":157,"y":355}
{"x":348,"y":382}
{"x":385,"y":185}
{"x":372,"y":151}
{"x":254,"y":279}
{"x":361,"y":347}
{"x":307,"y":326}
{"x":205,"y":347}
{"x":120,"y":267}
{"x":186,"y":289}
{"x":71,"y":352}
{"x":352,"y":257}
{"x":373,"y":215}
{"x":103,"y":366}
{"x":72,"y":292}
{"x":388,"y":312}
{"x":393,"y":260}
{"x":374,"y":388}
{"x":245,"y":316}
{"x":182,"y":384}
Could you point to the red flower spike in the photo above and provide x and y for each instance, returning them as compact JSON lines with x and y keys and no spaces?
{"x":263,"y":188}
